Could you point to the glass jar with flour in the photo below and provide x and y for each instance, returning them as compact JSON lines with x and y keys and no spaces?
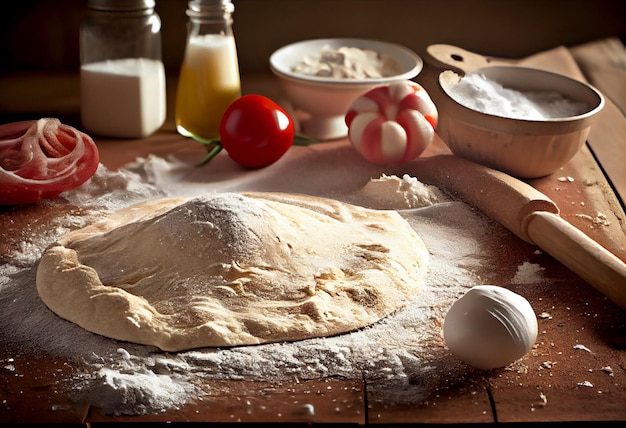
{"x":122,"y":77}
{"x":209,"y":76}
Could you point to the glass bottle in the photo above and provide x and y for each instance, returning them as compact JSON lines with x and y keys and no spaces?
{"x":122,"y":77}
{"x":209,"y":76}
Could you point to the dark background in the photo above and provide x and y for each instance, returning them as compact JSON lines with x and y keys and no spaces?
{"x":43,"y":34}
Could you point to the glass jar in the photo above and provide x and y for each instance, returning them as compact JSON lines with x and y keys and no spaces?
{"x":122,"y":77}
{"x":209,"y":76}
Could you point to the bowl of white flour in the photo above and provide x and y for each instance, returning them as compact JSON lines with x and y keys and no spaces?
{"x":523,"y":121}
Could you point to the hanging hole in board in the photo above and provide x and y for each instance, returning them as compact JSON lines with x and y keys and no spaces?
{"x":457,"y":57}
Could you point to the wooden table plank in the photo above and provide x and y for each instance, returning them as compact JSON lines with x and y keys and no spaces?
{"x":603,"y":62}
{"x":328,"y":400}
{"x":463,"y":401}
{"x":32,"y":389}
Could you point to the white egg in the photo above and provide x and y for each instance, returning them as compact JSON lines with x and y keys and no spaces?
{"x":490,"y":327}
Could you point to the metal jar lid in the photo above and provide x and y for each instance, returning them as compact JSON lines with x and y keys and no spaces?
{"x":120,"y":5}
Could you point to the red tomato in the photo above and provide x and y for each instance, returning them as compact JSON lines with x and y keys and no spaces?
{"x":40,"y":159}
{"x":255,"y":131}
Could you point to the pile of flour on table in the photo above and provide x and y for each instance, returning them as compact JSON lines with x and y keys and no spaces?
{"x":403,"y":355}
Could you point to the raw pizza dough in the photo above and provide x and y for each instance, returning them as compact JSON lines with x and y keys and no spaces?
{"x":228,"y":269}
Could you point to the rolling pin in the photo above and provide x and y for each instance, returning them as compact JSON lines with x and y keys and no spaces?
{"x":530,"y":215}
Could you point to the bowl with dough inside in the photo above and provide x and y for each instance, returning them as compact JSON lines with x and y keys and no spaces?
{"x":322,"y":77}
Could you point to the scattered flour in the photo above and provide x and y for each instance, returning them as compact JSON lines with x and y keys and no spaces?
{"x":403,"y":355}
{"x":599,"y":220}
{"x":129,"y":379}
{"x":528,"y":273}
{"x":582,"y":348}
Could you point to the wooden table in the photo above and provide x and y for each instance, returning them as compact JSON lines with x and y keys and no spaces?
{"x":544,"y":389}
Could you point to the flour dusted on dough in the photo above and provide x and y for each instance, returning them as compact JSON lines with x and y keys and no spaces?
{"x":229,"y":269}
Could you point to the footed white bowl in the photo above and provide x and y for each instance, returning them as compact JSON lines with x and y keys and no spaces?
{"x":326,"y":100}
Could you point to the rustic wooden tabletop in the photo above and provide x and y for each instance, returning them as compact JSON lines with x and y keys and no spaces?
{"x":575,"y":372}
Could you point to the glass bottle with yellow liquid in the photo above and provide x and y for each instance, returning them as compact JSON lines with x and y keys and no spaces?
{"x":209,"y":77}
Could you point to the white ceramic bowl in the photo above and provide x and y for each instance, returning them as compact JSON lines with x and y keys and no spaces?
{"x":326,"y":99}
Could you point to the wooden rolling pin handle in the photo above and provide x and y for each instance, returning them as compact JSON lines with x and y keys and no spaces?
{"x":584,"y":256}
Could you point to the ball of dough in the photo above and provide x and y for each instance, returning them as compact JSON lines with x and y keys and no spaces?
{"x":490,"y":327}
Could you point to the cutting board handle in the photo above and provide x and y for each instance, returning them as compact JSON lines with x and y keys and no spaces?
{"x":584,"y":256}
{"x":456,"y":59}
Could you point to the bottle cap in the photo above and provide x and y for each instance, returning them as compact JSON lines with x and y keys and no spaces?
{"x":120,"y":5}
{"x":210,"y":7}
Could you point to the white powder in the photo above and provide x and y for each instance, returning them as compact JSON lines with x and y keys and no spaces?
{"x":599,"y":220}
{"x":528,"y":273}
{"x":123,"y":97}
{"x":347,"y":63}
{"x":392,"y":192}
{"x":402,"y":357}
{"x":136,"y":381}
{"x":482,"y":94}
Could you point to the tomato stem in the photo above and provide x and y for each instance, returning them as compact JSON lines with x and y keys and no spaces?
{"x":303,"y":140}
{"x":213,"y":148}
